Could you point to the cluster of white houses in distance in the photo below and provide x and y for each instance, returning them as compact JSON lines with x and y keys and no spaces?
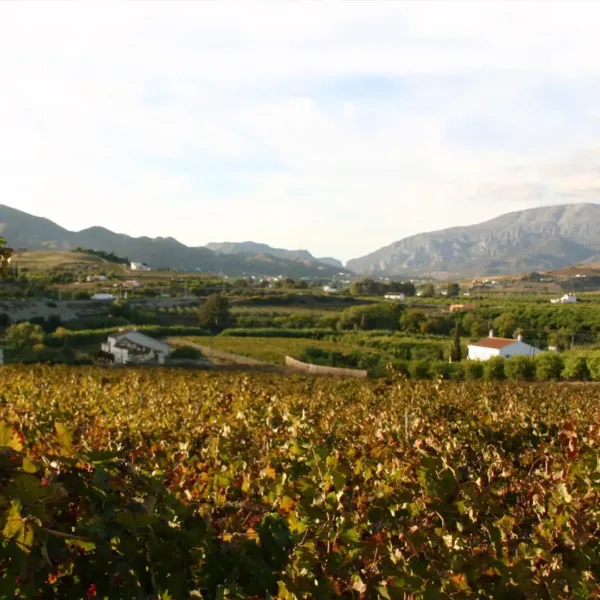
{"x":504,"y":347}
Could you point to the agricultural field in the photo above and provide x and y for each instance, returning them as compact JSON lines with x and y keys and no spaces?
{"x":273,"y":350}
{"x":145,"y":483}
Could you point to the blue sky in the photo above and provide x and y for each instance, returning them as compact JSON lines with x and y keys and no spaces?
{"x":334,"y":126}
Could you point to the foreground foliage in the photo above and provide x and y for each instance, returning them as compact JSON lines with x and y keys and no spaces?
{"x":171,"y":484}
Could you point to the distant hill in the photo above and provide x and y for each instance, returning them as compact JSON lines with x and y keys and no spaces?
{"x":28,"y":232}
{"x":334,"y":262}
{"x":256,"y":248}
{"x":539,"y":239}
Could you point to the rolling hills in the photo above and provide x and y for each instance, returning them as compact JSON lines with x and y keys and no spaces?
{"x":28,"y":232}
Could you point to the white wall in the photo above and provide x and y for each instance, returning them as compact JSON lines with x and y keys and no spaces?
{"x":481,"y":353}
{"x":519,"y":349}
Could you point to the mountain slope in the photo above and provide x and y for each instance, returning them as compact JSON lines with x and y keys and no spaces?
{"x":537,"y":239}
{"x":256,"y":248}
{"x":25,"y":231}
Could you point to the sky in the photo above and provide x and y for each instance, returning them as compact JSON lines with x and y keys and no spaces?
{"x":339,"y":127}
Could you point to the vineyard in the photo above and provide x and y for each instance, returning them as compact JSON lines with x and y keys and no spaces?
{"x":141,"y":483}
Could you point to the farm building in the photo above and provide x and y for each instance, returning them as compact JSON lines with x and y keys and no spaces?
{"x":137,"y":266}
{"x":133,"y":347}
{"x":397,"y":297}
{"x":566,"y":299}
{"x":505,"y":347}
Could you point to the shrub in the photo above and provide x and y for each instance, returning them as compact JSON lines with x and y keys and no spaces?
{"x":400,"y":367}
{"x":441,"y":369}
{"x":493,"y":369}
{"x":24,"y":334}
{"x":548,"y":366}
{"x":473,"y":369}
{"x":593,"y":365}
{"x":519,"y":368}
{"x":457,"y":371}
{"x":186,"y":352}
{"x":419,"y":369}
{"x":576,"y":368}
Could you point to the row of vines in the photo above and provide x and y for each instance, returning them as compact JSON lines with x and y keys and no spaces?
{"x":144,"y":483}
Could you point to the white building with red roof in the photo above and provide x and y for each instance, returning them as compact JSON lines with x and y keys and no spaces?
{"x":505,"y":347}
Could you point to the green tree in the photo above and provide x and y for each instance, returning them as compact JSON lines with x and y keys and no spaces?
{"x":548,"y":366}
{"x":214,"y":313}
{"x":428,"y":291}
{"x":593,"y":365}
{"x":506,"y":324}
{"x":452,"y":290}
{"x":419,"y":369}
{"x":576,"y":368}
{"x":493,"y":369}
{"x":411,"y":321}
{"x":456,"y":350}
{"x":24,"y":335}
{"x":519,"y":368}
{"x":187,"y":352}
{"x":473,"y":369}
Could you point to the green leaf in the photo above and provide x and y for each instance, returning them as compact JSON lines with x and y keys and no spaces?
{"x":350,"y":537}
{"x":12,"y":520}
{"x":382,"y":590}
{"x":29,"y":466}
{"x":64,"y":438}
{"x":9,"y":437}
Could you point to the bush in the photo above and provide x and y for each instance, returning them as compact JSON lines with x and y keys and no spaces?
{"x":493,"y":369}
{"x":186,"y":352}
{"x":457,"y":371}
{"x":473,"y":369}
{"x":548,"y":367}
{"x":519,"y":368}
{"x":441,"y":369}
{"x":419,"y":369}
{"x":400,"y":367}
{"x":576,"y":368}
{"x":593,"y":365}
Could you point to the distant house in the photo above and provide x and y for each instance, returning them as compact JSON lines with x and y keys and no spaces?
{"x":458,"y":307}
{"x":104,"y":297}
{"x":138,"y":266}
{"x":396,"y":297}
{"x":133,"y":347}
{"x":131,"y":284}
{"x":505,"y":347}
{"x":330,"y":290}
{"x":566,"y":299}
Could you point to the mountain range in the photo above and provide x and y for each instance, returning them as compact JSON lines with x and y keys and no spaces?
{"x":537,"y":239}
{"x":25,"y":231}
{"x":255,"y":248}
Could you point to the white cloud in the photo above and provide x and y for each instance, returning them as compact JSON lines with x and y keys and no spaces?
{"x":337,"y":126}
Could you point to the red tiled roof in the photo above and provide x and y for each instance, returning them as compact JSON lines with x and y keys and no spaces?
{"x":494,"y":342}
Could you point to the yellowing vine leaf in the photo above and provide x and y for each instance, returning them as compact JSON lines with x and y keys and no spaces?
{"x":9,"y":438}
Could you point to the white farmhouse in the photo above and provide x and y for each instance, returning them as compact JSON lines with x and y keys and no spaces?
{"x":138,"y":266}
{"x":505,"y":347}
{"x":397,"y":297}
{"x":330,"y":290}
{"x":130,"y":346}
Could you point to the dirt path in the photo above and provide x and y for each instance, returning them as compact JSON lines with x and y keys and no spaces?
{"x":227,"y":360}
